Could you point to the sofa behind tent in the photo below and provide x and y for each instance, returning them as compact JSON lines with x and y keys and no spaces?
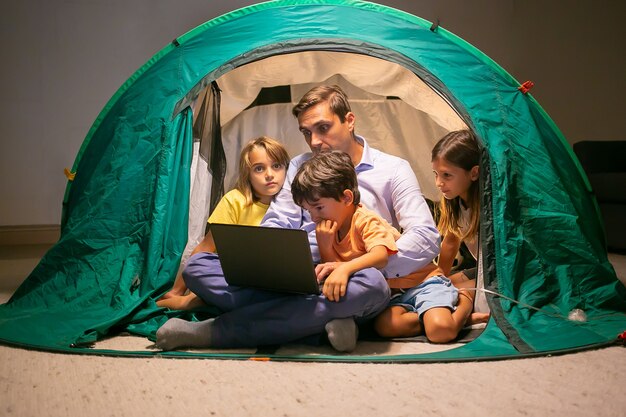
{"x":603,"y":161}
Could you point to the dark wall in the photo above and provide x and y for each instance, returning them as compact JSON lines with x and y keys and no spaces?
{"x":62,"y":61}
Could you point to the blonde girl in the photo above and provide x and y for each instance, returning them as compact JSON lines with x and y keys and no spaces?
{"x":263,"y":165}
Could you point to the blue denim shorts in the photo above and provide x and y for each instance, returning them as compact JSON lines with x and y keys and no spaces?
{"x":436,"y":291}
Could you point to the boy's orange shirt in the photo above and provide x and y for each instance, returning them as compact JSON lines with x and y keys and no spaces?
{"x":367,"y":230}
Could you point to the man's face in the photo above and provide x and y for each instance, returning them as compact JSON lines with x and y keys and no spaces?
{"x":323,"y":130}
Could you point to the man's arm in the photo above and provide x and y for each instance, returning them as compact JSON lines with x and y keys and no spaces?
{"x":419,"y":243}
{"x":283,"y":212}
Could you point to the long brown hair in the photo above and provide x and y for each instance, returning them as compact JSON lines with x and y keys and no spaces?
{"x":459,"y":148}
{"x":275,"y":151}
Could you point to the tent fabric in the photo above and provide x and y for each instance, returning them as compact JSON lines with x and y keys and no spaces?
{"x":126,"y":215}
{"x":374,"y":75}
{"x":208,"y":165}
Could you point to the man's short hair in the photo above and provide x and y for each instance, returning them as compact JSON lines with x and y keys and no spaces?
{"x":325,"y":175}
{"x":333,"y":94}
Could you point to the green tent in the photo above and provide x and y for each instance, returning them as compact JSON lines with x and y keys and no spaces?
{"x":157,"y":158}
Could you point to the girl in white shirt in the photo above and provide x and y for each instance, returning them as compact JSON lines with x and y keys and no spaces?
{"x":439,"y":306}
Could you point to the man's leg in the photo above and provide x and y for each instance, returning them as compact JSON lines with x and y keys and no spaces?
{"x":286,"y":318}
{"x":204,"y":277}
{"x":293,"y":317}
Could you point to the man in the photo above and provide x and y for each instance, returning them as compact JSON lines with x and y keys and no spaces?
{"x":388,"y":186}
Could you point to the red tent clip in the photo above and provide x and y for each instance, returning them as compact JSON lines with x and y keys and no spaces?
{"x":622,"y":338}
{"x":525,"y":88}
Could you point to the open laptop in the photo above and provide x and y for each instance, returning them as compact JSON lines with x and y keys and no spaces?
{"x":266,"y":257}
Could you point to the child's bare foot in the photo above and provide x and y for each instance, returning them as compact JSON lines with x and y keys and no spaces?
{"x":181,"y":302}
{"x":179,"y":288}
{"x":170,"y":294}
{"x":477,"y":318}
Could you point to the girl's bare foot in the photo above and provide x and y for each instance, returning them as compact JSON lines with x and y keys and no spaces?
{"x":181,"y":302}
{"x":178,"y":289}
{"x":171,"y":293}
{"x":477,"y":318}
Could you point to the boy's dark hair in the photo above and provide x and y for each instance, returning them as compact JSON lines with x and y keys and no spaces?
{"x":325,"y":175}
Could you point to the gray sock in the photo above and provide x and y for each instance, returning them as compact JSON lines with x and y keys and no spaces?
{"x":342,"y":334}
{"x":177,"y":333}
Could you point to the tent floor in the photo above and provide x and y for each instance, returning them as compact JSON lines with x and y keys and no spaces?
{"x":129,"y":343}
{"x":16,"y":262}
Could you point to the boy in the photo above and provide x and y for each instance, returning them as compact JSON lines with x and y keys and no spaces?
{"x":349,"y":236}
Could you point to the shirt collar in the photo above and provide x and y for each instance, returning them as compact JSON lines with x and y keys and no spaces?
{"x":367,"y":158}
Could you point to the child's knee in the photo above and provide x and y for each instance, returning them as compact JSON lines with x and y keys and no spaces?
{"x":395,"y":321}
{"x":383,"y":324}
{"x":439,"y":328}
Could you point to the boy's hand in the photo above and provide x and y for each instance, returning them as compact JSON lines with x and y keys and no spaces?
{"x":336,"y":279}
{"x":325,"y":231}
{"x":336,"y":284}
{"x":325,"y":269}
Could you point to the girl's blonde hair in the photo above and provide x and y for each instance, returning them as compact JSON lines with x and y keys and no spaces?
{"x":460,"y":148}
{"x":275,"y":150}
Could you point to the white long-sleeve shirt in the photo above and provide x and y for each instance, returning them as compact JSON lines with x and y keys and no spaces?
{"x":388,"y":187}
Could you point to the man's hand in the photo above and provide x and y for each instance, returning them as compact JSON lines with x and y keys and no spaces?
{"x":325,"y":231}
